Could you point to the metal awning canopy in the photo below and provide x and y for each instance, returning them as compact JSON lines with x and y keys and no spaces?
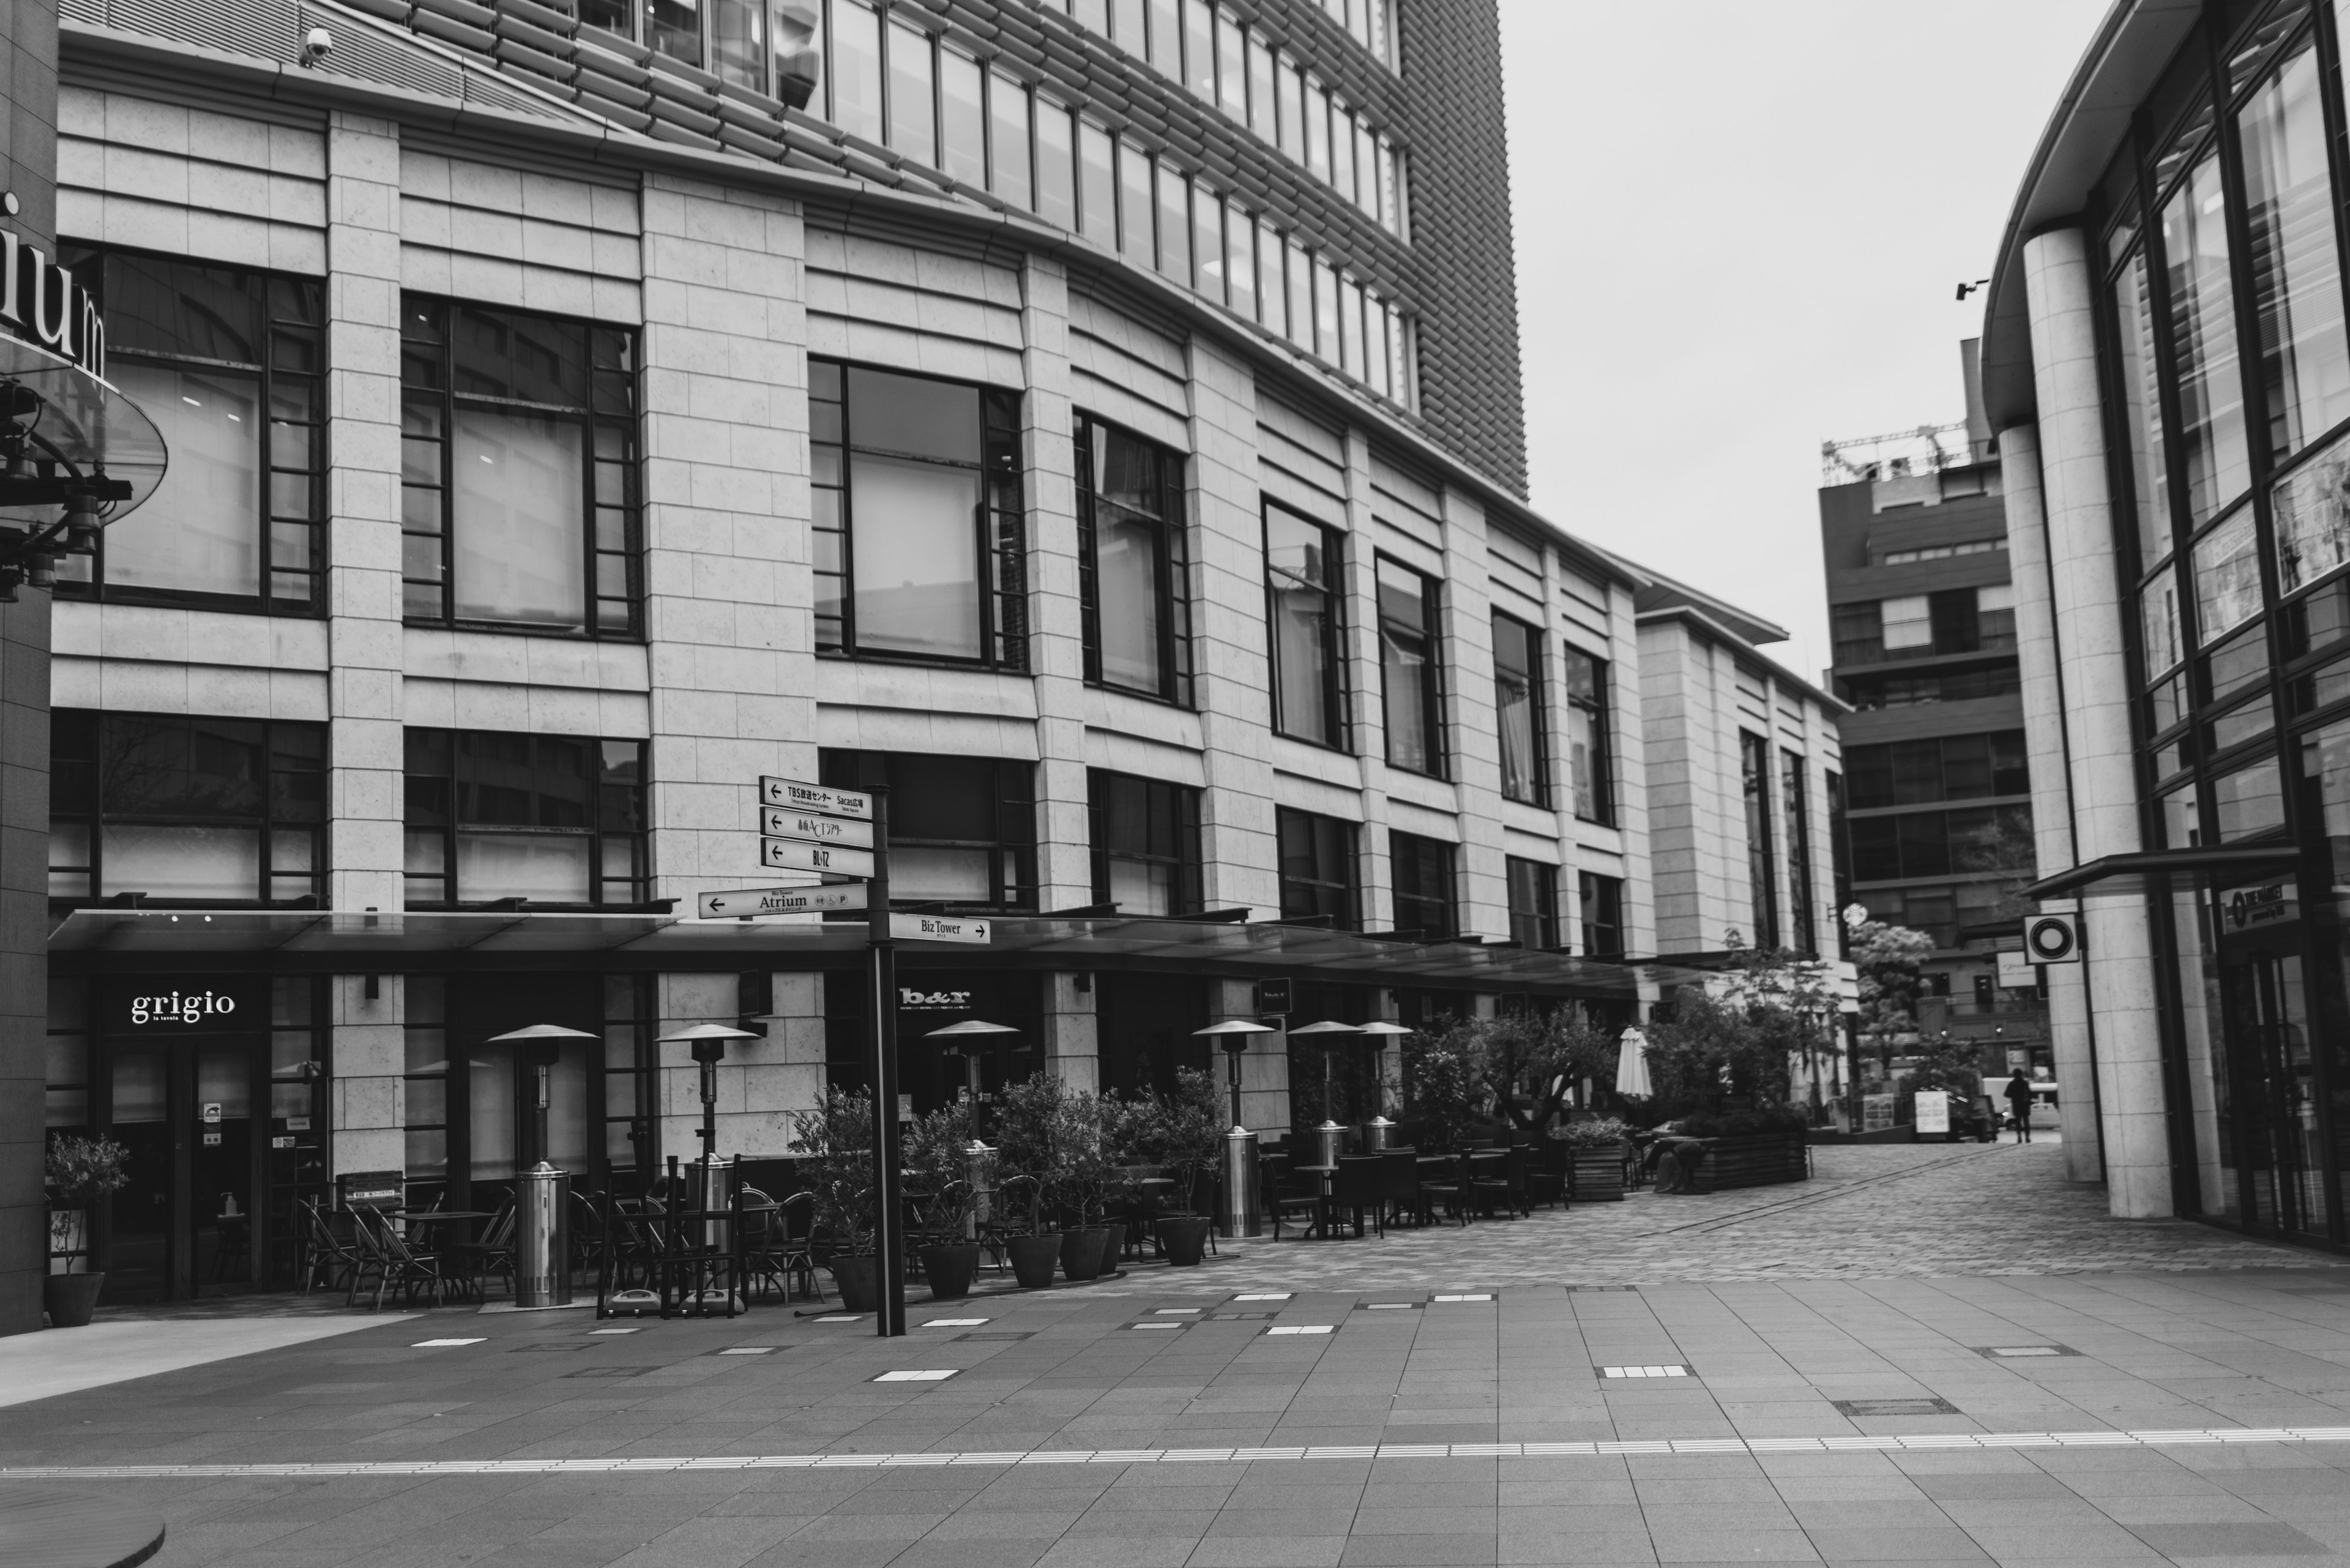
{"x":91,"y":941}
{"x":2133,"y":870}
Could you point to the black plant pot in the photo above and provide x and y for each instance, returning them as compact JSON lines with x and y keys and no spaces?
{"x":1033,"y":1258}
{"x":950,"y":1267}
{"x":1081,"y":1253}
{"x":70,"y":1298}
{"x":1185,"y":1239}
{"x":1113,"y":1243}
{"x":859,"y":1279}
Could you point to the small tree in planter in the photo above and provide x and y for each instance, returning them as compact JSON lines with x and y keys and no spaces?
{"x":1085,"y":1162}
{"x":836,"y":1141}
{"x":1030,"y":1121}
{"x":1182,"y":1133}
{"x":1597,"y":1148}
{"x":938,"y":1151}
{"x":1445,"y":1087}
{"x":78,"y":1173}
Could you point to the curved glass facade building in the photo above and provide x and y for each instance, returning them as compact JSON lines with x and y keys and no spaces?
{"x":2168,"y":370}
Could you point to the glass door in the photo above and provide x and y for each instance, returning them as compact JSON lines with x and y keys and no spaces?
{"x":221,"y":1192}
{"x":184,"y":1224}
{"x":2273,"y":1092}
{"x":137,"y":1251}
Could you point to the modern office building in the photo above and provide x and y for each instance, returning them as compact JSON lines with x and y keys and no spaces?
{"x":1937,"y":798}
{"x":2167,"y":371}
{"x":1098,"y":425}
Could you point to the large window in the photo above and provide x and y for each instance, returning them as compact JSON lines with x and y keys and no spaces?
{"x":1754,"y":757}
{"x":962,"y":830}
{"x":518,"y":471}
{"x":1146,"y":842}
{"x":1589,"y":769}
{"x":1934,"y":843}
{"x":1603,"y":915}
{"x":1318,"y":879}
{"x":1920,"y":625}
{"x":166,"y":809}
{"x":1533,"y":903}
{"x":1132,"y":565}
{"x":1409,"y":669}
{"x":230,"y":365}
{"x":2202,"y":329}
{"x":1518,"y":710}
{"x":2296,"y":268}
{"x":745,"y":43}
{"x":1302,"y":602}
{"x":1794,"y":808}
{"x":917,"y":534}
{"x":1948,"y":767}
{"x":545,"y":819}
{"x":1425,"y":902}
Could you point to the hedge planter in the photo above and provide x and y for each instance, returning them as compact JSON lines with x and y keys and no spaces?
{"x":1184,"y":1239}
{"x":1599,"y":1175}
{"x":950,"y":1268}
{"x":859,"y":1279}
{"x":1113,"y":1243}
{"x":1760,"y":1161}
{"x":1032,"y":1260}
{"x":71,"y":1298}
{"x":1081,"y":1255}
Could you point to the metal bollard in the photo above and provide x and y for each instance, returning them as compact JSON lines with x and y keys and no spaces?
{"x":542,"y":1237}
{"x":1241,"y":1212}
{"x":1376,"y":1135}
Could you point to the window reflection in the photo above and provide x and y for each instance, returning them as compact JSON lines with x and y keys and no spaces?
{"x":1133,"y":565}
{"x":1517,"y":686}
{"x":1301,"y":581}
{"x":2296,"y":268}
{"x":1146,"y":844}
{"x":2203,"y":342}
{"x":1408,"y":659}
{"x":2227,"y":577}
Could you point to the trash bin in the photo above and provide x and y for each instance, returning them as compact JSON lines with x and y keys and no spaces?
{"x":542,"y":1237}
{"x":1239,"y":1211}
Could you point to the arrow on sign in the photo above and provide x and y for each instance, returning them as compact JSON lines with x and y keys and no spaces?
{"x":777,"y":823}
{"x":744,"y":902}
{"x":794,"y":795}
{"x":784,"y":855}
{"x":938,"y":928}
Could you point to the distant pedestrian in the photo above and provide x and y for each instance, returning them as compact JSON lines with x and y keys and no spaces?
{"x":2019,"y":1102}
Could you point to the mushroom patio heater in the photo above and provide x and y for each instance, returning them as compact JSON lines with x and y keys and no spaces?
{"x":1330,"y":1138}
{"x":969,"y":1040}
{"x":542,"y":1193}
{"x":709,"y":1042}
{"x":1239,"y":1216}
{"x":1377,"y":1132}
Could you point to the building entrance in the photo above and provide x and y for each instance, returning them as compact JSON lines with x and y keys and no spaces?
{"x":2272,"y":1090}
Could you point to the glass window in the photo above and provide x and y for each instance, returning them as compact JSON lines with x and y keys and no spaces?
{"x":674,"y":28}
{"x":1390,"y":187}
{"x":1056,"y":191}
{"x":1292,"y":91}
{"x":1174,"y":225}
{"x":1272,"y":294}
{"x":170,"y":809}
{"x":1342,"y":147}
{"x":963,"y":119}
{"x":962,"y":830}
{"x":1350,"y":326}
{"x":1590,"y":774}
{"x":1199,"y":49}
{"x":1263,"y":117}
{"x":1302,"y":593}
{"x":1317,"y":129}
{"x":1367,"y":164}
{"x":2295,"y":269}
{"x":856,"y":65}
{"x":229,"y":365}
{"x":1239,"y":261}
{"x":738,"y":42}
{"x":1409,"y":668}
{"x":2181,"y":824}
{"x":1422,"y":873}
{"x":1132,"y":564}
{"x":2248,"y":802}
{"x":1096,"y":185}
{"x":552,"y":819}
{"x":1008,"y":173}
{"x":519,"y":474}
{"x":2312,"y":511}
{"x":2159,"y":614}
{"x":1907,"y":622}
{"x":612,"y":15}
{"x":1166,"y":38}
{"x":914,"y":108}
{"x":2325,"y":780}
{"x":918,"y":535}
{"x":1326,"y":310}
{"x":424,"y":1015}
{"x":1375,"y":347}
{"x":1137,"y":237}
{"x":2227,"y":577}
{"x":1208,"y":242}
{"x":1301,"y":298}
{"x":1231,"y":69}
{"x":1146,"y":844}
{"x":1518,"y":712}
{"x":1994,"y":617}
{"x":1755,"y":753}
{"x":1794,"y":810}
{"x":2203,"y":343}
{"x":1127,"y":26}
{"x":1318,"y":869}
{"x":1533,"y":903}
{"x":1602,"y":901}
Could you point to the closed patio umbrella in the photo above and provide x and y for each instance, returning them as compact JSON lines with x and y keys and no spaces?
{"x":1632,"y":1078}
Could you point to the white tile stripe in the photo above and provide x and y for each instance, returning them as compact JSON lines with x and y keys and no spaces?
{"x":1939,"y":1441}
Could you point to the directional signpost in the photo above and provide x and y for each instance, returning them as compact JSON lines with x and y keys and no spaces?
{"x":744,"y":903}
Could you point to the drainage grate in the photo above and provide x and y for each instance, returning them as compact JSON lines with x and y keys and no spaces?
{"x":999,"y":1334}
{"x":611,"y":1371}
{"x":554,"y":1344}
{"x":2023,"y":1352}
{"x":1896,"y":1407}
{"x":1668,"y":1369}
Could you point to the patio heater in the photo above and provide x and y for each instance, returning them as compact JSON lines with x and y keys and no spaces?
{"x":968,"y":1040}
{"x":1330,"y":1138}
{"x":1241,"y":1212}
{"x":542,"y":1193}
{"x":717,"y":1179}
{"x":1378,"y":1133}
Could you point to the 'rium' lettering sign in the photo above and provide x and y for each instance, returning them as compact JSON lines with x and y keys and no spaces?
{"x":41,"y":303}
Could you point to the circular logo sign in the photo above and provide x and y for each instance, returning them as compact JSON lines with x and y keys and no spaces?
{"x":2050,"y":938}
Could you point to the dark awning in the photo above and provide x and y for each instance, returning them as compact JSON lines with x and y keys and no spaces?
{"x":90,"y":941}
{"x":2141,"y":864}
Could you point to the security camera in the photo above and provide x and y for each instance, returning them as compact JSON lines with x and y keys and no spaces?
{"x":317,"y":45}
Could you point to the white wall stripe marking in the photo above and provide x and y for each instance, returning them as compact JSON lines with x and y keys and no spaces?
{"x":1940,"y":1441}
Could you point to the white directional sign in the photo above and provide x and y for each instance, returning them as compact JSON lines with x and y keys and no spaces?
{"x":793,"y":795}
{"x":939,"y":929}
{"x":746,"y":902}
{"x":785,"y":855}
{"x":815,"y":827}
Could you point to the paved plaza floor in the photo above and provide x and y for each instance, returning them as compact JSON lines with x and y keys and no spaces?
{"x":1906,"y":1361}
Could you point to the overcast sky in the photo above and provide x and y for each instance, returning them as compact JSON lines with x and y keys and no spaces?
{"x":1739,"y":230}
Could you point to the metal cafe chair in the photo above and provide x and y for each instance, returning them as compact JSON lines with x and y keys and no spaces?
{"x":1281,"y":1203}
{"x":1451,"y":1188}
{"x":1505,"y":1187}
{"x":1399,"y":1186}
{"x":326,"y":1260}
{"x":1356,"y":1189}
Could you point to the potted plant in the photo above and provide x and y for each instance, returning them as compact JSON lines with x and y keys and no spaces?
{"x":1028,"y":1120}
{"x":1085,"y":1166}
{"x":836,"y":1141}
{"x":1182,"y":1133}
{"x":79,"y":1172}
{"x":938,"y":1153}
{"x":1596,"y":1150}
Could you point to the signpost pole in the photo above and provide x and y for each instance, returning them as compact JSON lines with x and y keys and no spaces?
{"x":888,"y":1228}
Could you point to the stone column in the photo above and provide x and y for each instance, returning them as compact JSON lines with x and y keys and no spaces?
{"x":1358,"y":590}
{"x":2117,"y":936}
{"x":2039,"y":650}
{"x":1064,"y":874}
{"x":370,"y":1054}
{"x":1072,"y":1038}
